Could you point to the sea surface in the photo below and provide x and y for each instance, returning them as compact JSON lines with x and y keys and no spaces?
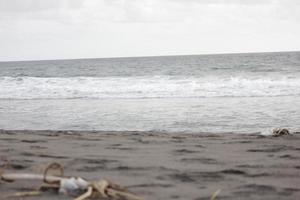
{"x":240,"y":93}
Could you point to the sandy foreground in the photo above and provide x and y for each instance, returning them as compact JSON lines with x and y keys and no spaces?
{"x":160,"y":165}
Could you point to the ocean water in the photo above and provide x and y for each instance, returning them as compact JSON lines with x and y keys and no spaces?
{"x":241,"y":93}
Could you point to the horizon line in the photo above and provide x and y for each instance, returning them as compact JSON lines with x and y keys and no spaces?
{"x":149,"y":56}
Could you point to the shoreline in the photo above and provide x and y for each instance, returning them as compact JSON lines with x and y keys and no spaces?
{"x":133,"y":132}
{"x":117,"y":132}
{"x":162,"y":165}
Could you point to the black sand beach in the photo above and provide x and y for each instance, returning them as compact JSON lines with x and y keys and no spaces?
{"x":162,"y":165}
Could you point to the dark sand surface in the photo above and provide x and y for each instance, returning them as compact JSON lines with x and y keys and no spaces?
{"x":162,"y":166}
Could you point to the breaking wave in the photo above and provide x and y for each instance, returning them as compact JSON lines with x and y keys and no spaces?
{"x":146,"y":87}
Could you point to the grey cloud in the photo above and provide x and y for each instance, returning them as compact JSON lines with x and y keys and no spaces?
{"x":53,"y":10}
{"x":31,"y":29}
{"x":228,"y":2}
{"x":37,"y":5}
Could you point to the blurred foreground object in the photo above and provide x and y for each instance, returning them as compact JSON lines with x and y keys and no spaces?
{"x":53,"y":179}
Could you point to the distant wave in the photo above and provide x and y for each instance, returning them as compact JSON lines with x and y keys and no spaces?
{"x":146,"y":87}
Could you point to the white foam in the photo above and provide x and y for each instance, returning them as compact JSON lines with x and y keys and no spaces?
{"x":267,"y":132}
{"x":146,"y":87}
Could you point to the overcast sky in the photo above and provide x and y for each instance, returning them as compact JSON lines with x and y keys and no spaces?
{"x":56,"y":29}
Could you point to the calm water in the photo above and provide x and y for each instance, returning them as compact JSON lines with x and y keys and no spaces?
{"x":209,"y":93}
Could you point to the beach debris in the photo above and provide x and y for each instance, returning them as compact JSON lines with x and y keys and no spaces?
{"x":215,"y":194}
{"x":23,"y":194}
{"x":280,"y":132}
{"x":80,"y":188}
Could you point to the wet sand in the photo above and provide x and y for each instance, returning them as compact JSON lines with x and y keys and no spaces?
{"x":162,"y":165}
